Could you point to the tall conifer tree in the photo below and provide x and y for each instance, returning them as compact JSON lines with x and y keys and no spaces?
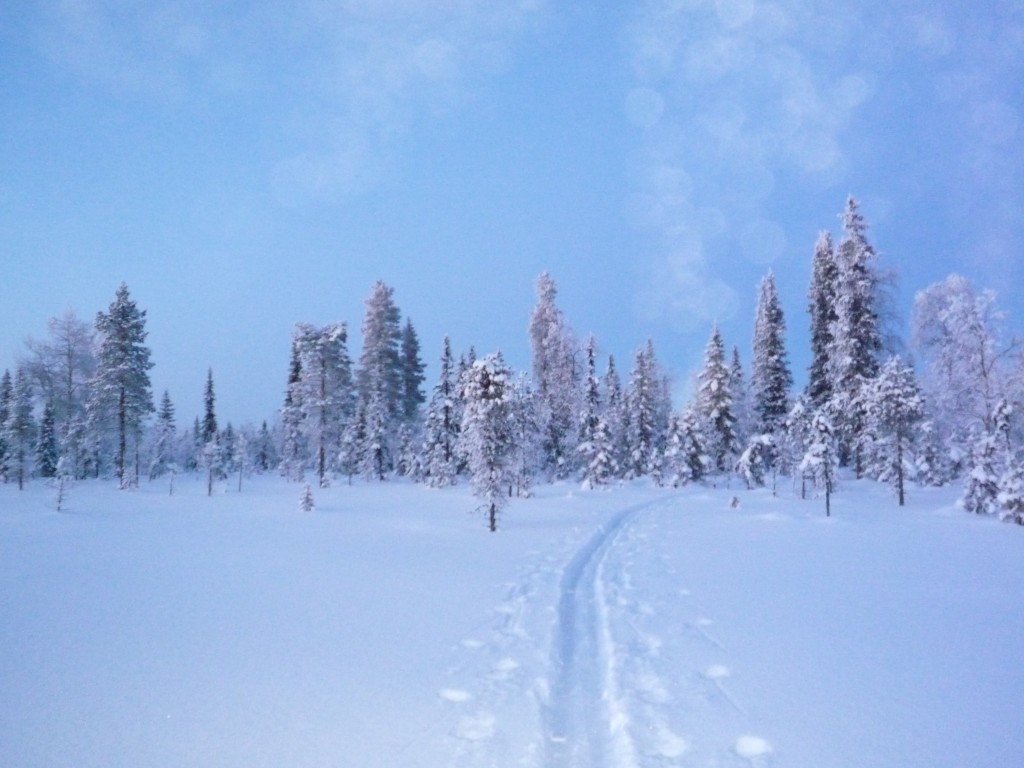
{"x":121,"y":397}
{"x":822,"y":309}
{"x":556,"y":379}
{"x":714,"y":405}
{"x":770,"y":379}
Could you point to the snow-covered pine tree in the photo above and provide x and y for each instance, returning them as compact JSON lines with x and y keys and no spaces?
{"x":987,"y":462}
{"x":353,"y":444}
{"x":525,"y":438}
{"x":407,"y":463}
{"x":47,"y":449}
{"x":932,"y":460}
{"x":683,"y":456}
{"x":412,"y":375}
{"x":20,"y":428}
{"x":379,"y":376}
{"x":6,"y":398}
{"x":120,"y":394}
{"x":647,"y":410}
{"x":556,"y":379}
{"x":714,"y":406}
{"x":739,"y":393}
{"x":306,"y":501}
{"x":326,"y":398}
{"x":603,"y":466}
{"x":856,"y":333}
{"x":753,"y":463}
{"x":770,"y":378}
{"x":228,"y":451}
{"x":1011,"y":492}
{"x":822,"y":310}
{"x":441,"y":427}
{"x":377,"y":457}
{"x":211,"y":453}
{"x":795,"y":439}
{"x":820,"y":462}
{"x":264,"y":451}
{"x":293,"y":446}
{"x":593,"y":473}
{"x":486,"y":434}
{"x":193,"y":448}
{"x":209,"y":423}
{"x":614,"y":417}
{"x":894,"y":409}
{"x":164,"y":433}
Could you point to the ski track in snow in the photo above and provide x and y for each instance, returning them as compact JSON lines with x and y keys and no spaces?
{"x":585,"y":722}
{"x":593,"y":679}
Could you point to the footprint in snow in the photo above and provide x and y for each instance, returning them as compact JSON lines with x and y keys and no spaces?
{"x":504,"y":668}
{"x":456,"y":695}
{"x":717,"y":672}
{"x":668,"y":744}
{"x":476,"y":727}
{"x":751,"y":747}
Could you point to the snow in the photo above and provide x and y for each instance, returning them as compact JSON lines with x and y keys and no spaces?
{"x":627,"y":627}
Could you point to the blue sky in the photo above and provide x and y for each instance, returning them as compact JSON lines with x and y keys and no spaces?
{"x":244,"y":166}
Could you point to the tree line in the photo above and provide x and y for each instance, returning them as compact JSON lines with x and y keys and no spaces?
{"x":80,"y":403}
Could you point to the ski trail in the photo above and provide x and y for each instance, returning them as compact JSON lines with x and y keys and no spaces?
{"x":585,"y":720}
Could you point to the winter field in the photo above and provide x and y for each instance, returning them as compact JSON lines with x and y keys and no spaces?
{"x":631,"y":627}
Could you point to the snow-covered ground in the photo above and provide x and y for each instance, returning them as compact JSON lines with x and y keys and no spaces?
{"x":632,"y":627}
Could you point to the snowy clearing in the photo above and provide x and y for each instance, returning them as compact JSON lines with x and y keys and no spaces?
{"x":634,"y":627}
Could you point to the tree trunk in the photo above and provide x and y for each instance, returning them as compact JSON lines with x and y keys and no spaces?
{"x":899,"y":465}
{"x":122,"y":435}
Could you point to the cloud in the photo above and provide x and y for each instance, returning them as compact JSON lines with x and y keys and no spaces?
{"x":746,"y":94}
{"x":341,"y":79}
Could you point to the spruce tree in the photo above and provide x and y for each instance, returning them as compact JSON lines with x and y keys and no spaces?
{"x":325,"y":396}
{"x":739,"y":393}
{"x":714,"y":405}
{"x":163,"y":438}
{"x":986,"y":464}
{"x":209,"y":432}
{"x":6,"y":399}
{"x":120,"y":390}
{"x":377,"y":457}
{"x":412,"y":368}
{"x":894,"y":409}
{"x":525,"y":431}
{"x":486,"y":435}
{"x":556,"y":379}
{"x":593,"y":473}
{"x":293,"y":448}
{"x":47,"y":449}
{"x":265,"y":455}
{"x":614,"y":416}
{"x":441,"y":428}
{"x":20,"y":428}
{"x":856,"y":334}
{"x":822,"y":309}
{"x":820,"y":462}
{"x":379,"y":378}
{"x":647,"y":410}
{"x":770,"y":379}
